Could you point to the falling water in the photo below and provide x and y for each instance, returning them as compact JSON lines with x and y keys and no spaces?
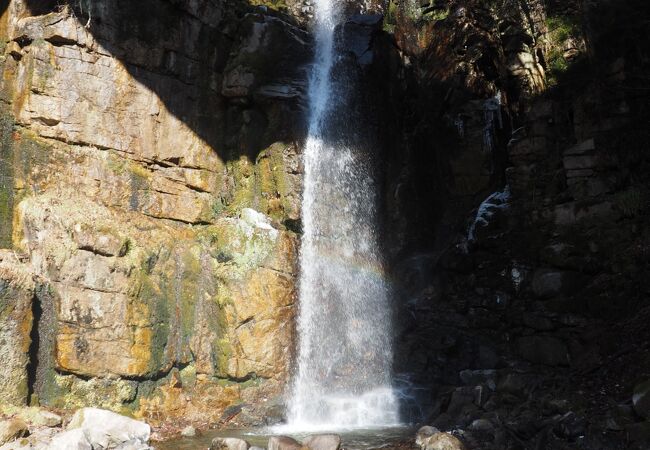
{"x":344,"y":326}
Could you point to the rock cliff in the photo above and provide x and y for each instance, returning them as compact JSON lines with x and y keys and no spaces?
{"x":150,"y":198}
{"x":150,"y":187}
{"x":518,"y":219}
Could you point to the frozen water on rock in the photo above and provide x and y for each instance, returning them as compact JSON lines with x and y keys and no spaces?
{"x":487,"y":209}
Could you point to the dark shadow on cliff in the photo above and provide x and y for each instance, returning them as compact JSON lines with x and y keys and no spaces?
{"x":234,"y":73}
{"x":469,"y":324}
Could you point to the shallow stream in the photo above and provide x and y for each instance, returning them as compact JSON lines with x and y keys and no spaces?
{"x":358,"y":439}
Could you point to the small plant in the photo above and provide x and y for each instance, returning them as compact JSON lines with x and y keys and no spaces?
{"x":630,"y":202}
{"x":391,"y":16}
{"x":561,"y":29}
{"x":436,"y":15}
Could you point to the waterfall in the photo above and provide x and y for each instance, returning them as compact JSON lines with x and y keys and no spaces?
{"x":345,"y":355}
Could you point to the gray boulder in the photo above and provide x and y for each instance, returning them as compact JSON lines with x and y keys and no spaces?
{"x":39,"y":417}
{"x":70,"y":440}
{"x":545,"y":350}
{"x":440,"y":441}
{"x":548,"y":283}
{"x":425,"y":433}
{"x":323,"y":442}
{"x":106,"y":429}
{"x":228,"y":444}
{"x":283,"y":443}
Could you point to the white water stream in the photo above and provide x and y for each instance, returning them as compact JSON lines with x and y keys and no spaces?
{"x":343,"y":376}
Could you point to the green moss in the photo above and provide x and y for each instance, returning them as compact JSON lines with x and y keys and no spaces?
{"x":279,"y":5}
{"x":190,"y":289}
{"x":152,"y":293}
{"x":6,"y":215}
{"x":243,"y":176}
{"x":6,"y":180}
{"x":390,"y":19}
{"x":221,"y":351}
{"x":436,"y":15}
{"x":560,"y":30}
{"x":272,"y":184}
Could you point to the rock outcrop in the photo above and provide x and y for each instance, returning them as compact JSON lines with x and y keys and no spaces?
{"x":525,"y":272}
{"x":152,"y":204}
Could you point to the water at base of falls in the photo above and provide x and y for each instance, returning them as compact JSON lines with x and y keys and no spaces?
{"x":343,"y":378}
{"x":370,"y":410}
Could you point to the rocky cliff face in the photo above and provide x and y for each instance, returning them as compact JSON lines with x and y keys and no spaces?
{"x":150,"y":187}
{"x":518,"y":219}
{"x":150,"y":190}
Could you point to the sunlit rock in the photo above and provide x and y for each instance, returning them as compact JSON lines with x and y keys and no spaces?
{"x":322,"y":442}
{"x":106,"y":429}
{"x":229,"y":444}
{"x":12,"y":429}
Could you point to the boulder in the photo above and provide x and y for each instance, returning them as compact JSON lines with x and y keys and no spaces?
{"x":481,"y":425}
{"x":545,"y":350}
{"x":441,"y":441}
{"x":39,"y":417}
{"x":133,"y":445}
{"x":39,"y":439}
{"x":70,"y":440}
{"x":425,"y":433}
{"x":475,"y":377}
{"x":12,"y":429}
{"x":641,"y":399}
{"x":549,"y":283}
{"x":284,"y":443}
{"x":463,"y":397}
{"x":188,"y":431}
{"x":106,"y":429}
{"x":323,"y":442}
{"x":639,"y":433}
{"x":228,"y":444}
{"x":515,"y":383}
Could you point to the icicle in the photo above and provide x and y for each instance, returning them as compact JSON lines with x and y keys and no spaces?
{"x":491,"y":114}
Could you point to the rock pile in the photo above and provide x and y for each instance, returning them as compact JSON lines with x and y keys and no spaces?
{"x":89,"y":429}
{"x":314,"y":442}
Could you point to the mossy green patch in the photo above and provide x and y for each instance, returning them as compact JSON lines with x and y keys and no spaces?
{"x":222,"y":351}
{"x":6,"y":180}
{"x":242,"y":173}
{"x":560,"y":30}
{"x":279,"y":5}
{"x":153,"y":298}
{"x":72,"y":392}
{"x":273,"y":186}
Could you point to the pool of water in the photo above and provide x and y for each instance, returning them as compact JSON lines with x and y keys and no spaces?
{"x":359,"y":439}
